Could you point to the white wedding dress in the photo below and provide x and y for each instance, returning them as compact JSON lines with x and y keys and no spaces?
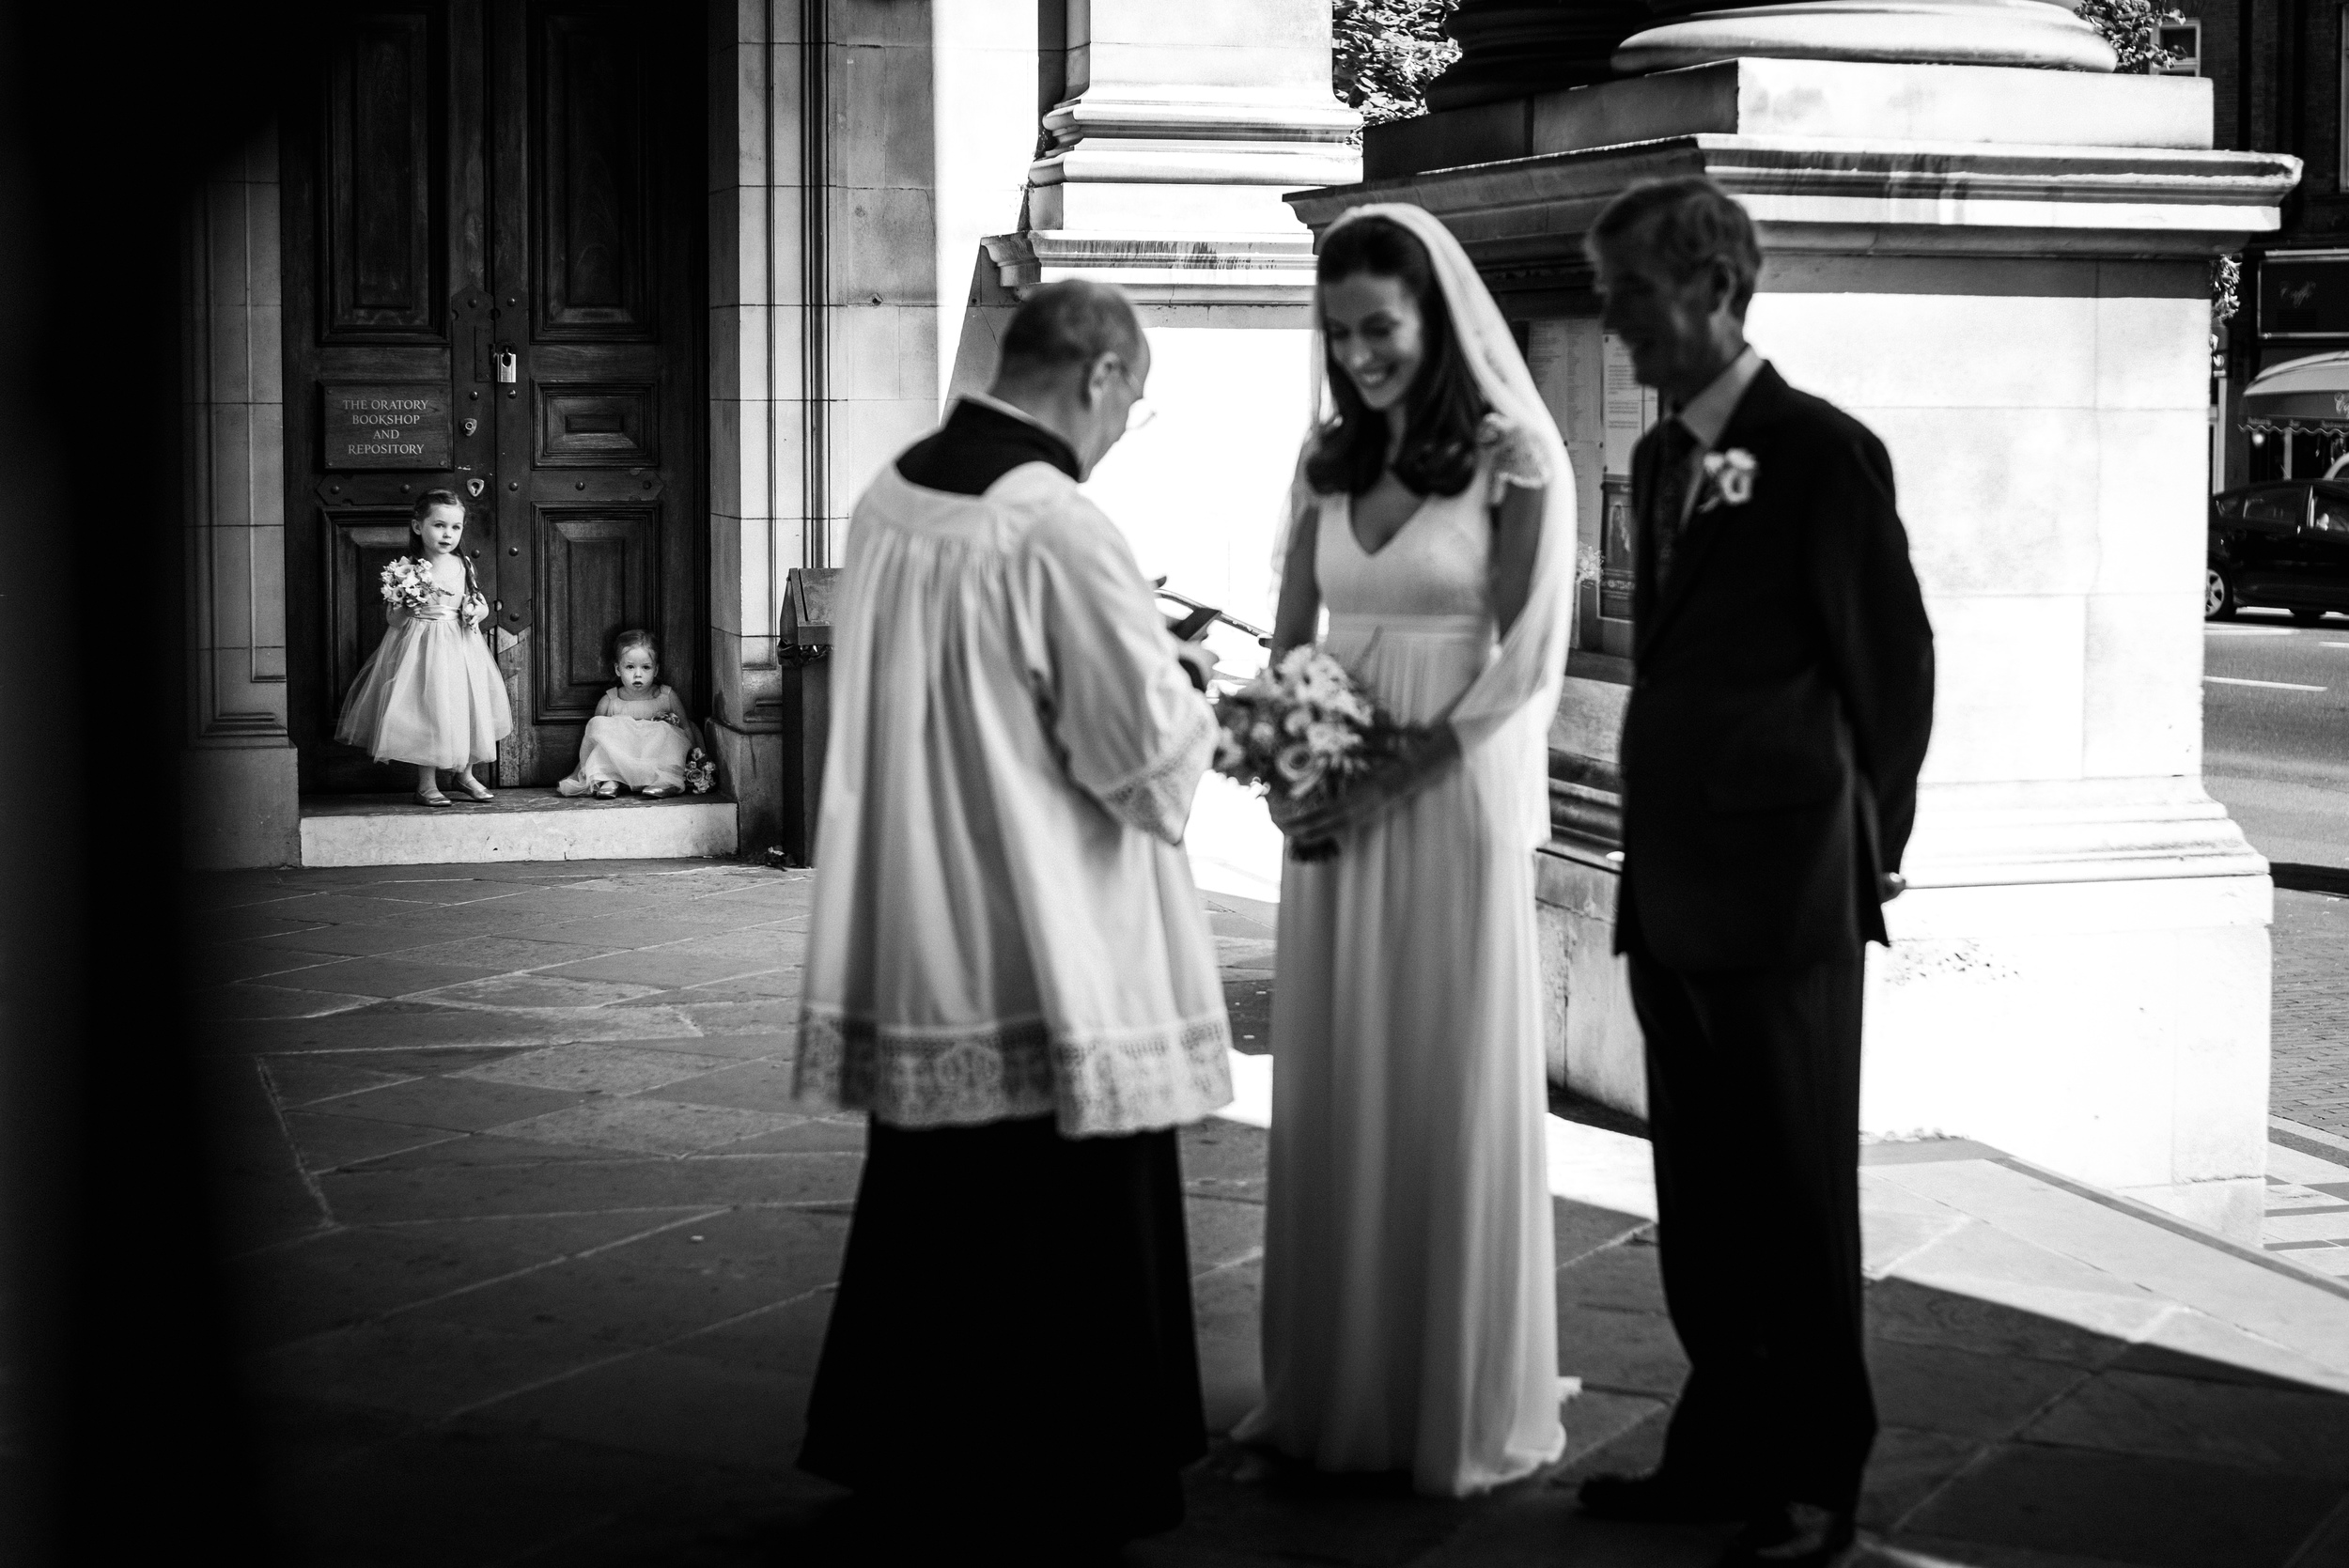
{"x":1410,"y":1316}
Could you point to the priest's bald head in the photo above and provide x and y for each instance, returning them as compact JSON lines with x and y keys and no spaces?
{"x":1074,"y":359}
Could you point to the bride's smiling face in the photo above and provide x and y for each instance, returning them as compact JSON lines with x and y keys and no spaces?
{"x":1377,"y":334}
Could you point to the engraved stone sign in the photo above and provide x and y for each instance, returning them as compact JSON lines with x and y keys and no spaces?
{"x":387,"y":426}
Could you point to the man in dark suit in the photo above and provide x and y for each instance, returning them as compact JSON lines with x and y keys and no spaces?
{"x":1782,"y":699}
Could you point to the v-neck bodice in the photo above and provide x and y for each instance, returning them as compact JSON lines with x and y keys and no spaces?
{"x":1425,"y":589}
{"x":1435,"y":564}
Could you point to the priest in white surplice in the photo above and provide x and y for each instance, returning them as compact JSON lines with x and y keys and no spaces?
{"x":1009,"y":969}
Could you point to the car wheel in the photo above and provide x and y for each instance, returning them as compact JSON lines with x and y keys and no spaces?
{"x":2308,"y":617}
{"x":2219,"y":602}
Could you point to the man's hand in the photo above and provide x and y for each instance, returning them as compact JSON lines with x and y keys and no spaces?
{"x":1198,"y":663}
{"x":1422,"y":754}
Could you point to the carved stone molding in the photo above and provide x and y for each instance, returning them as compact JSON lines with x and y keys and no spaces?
{"x":1909,"y":32}
{"x":1920,"y":200}
{"x":1160,"y":270}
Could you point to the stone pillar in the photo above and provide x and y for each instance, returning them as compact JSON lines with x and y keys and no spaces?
{"x":2002,"y":271}
{"x":823,"y":330}
{"x":1164,"y":170}
{"x":238,"y":774}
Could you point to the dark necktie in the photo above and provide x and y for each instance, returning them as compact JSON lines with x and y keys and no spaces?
{"x":1669,"y":508}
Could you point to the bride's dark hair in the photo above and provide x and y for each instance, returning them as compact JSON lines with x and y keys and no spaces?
{"x":1442,"y":406}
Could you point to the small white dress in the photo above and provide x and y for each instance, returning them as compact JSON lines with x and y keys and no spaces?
{"x":628,"y":742}
{"x":1409,"y":1306}
{"x":429,"y":694}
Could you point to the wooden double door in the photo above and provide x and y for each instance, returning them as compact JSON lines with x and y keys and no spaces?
{"x":491,"y":231}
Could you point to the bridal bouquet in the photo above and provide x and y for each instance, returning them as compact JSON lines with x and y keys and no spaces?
{"x":1300,"y":732}
{"x":408,"y":584}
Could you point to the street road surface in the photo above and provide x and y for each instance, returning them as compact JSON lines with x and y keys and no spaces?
{"x":2275,"y":732}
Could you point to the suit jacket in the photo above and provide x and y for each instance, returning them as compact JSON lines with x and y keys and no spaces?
{"x":1782,"y":698}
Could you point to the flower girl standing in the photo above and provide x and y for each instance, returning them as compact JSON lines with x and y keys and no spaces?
{"x":429,"y":694}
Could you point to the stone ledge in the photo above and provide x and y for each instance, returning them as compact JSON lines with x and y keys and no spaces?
{"x":521,"y":825}
{"x":1881,"y":104}
{"x":1192,"y":269}
{"x":1816,"y":194}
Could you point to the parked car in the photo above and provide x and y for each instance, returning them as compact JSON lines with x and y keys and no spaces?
{"x":2285,"y":543}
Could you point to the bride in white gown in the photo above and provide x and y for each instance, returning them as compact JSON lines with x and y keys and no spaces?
{"x":1409,"y":1310}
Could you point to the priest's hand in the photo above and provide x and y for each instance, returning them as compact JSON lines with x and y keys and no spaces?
{"x":1198,"y":663}
{"x":1421,"y":754}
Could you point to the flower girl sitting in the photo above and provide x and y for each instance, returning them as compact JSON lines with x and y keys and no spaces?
{"x":430,"y":694}
{"x":640,"y":736}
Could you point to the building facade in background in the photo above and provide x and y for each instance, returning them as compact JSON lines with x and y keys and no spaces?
{"x":2275,"y":67}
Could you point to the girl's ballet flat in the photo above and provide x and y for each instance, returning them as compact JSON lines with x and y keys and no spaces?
{"x":607,"y":790}
{"x":434,"y":797}
{"x":481,"y":800}
{"x":657,"y":792}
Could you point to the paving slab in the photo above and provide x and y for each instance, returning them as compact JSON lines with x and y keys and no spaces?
{"x":2128,"y":1508}
{"x":503,"y":1345}
{"x":452,"y":1103}
{"x":646,"y":1126}
{"x":594,"y":1068}
{"x":758,"y":1085}
{"x":367,"y":1194}
{"x":2288,"y":1431}
{"x":331,"y":1142}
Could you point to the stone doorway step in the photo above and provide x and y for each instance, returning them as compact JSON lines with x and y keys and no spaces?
{"x":521,"y":825}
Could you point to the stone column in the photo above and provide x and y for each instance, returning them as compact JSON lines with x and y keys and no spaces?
{"x":2002,"y":271}
{"x":238,"y":774}
{"x":1164,"y":170}
{"x":823,"y":329}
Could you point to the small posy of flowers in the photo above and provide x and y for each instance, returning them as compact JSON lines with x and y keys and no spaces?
{"x":1728,"y":478}
{"x":1301,"y":730}
{"x":700,"y":773}
{"x":408,"y":583}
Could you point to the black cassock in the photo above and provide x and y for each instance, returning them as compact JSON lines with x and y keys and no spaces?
{"x":1011,"y":1345}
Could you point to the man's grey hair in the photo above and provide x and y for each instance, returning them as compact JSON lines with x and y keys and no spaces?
{"x":1074,"y":322}
{"x":1690,"y":224}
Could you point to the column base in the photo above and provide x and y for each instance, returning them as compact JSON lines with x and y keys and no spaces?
{"x":751,"y":763}
{"x":242,"y":807}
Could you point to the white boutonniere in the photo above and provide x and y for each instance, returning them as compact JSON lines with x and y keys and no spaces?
{"x":1728,"y":478}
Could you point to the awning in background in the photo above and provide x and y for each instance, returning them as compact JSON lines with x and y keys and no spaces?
{"x":2310,"y":394}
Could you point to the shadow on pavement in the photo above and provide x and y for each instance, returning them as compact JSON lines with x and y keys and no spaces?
{"x":534,"y":1255}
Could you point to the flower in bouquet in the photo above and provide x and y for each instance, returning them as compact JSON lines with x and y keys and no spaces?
{"x":409,"y":583}
{"x":700,"y":773}
{"x":1300,"y":731}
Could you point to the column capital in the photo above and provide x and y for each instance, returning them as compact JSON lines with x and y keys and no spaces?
{"x":1184,"y":120}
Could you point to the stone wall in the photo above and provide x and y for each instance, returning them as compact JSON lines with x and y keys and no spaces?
{"x":238,"y":774}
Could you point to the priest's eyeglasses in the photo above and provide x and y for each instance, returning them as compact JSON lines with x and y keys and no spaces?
{"x":1141,"y":410}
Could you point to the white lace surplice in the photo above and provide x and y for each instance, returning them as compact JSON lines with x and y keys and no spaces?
{"x":1005,"y":924}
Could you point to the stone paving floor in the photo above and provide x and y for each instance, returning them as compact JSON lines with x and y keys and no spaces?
{"x":2310,"y":935}
{"x":535,"y":1256}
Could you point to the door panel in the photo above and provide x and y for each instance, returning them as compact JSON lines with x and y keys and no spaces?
{"x":382,"y":216}
{"x":473,"y":179}
{"x":600,"y":573}
{"x":596,"y":272}
{"x":603,"y":261}
{"x":364,"y":542}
